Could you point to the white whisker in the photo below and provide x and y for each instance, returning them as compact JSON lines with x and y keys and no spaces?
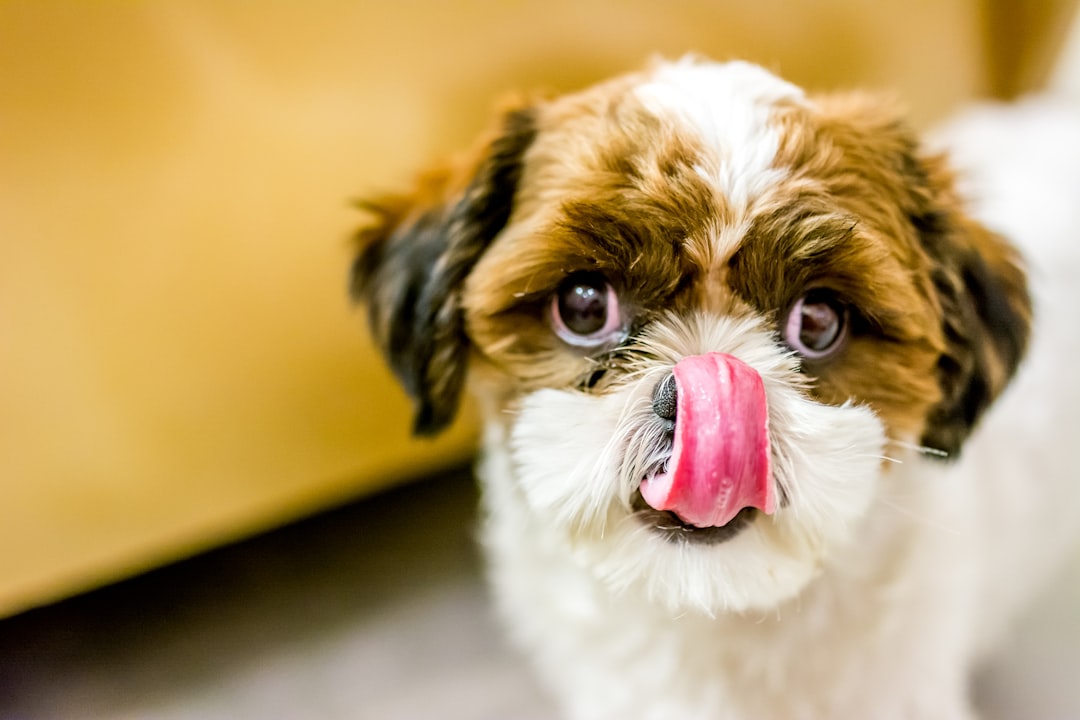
{"x":921,"y":449}
{"x":886,"y":458}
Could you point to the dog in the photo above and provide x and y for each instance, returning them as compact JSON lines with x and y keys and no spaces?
{"x":734,"y":347}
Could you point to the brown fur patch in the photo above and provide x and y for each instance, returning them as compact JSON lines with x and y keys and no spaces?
{"x":840,"y":221}
{"x":625,"y":208}
{"x":862,"y":213}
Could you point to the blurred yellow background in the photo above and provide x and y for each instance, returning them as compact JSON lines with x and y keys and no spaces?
{"x":179,"y":365}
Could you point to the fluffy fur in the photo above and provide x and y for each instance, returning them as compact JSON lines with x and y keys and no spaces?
{"x":711,"y":198}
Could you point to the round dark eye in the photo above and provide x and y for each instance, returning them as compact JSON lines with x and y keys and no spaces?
{"x":816,"y":324}
{"x":585,"y":310}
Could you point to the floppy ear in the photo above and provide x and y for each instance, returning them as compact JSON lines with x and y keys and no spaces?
{"x":414,"y":258}
{"x":985,"y":309}
{"x":977,"y":285}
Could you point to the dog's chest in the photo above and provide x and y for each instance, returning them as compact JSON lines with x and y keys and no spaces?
{"x":838,"y":650}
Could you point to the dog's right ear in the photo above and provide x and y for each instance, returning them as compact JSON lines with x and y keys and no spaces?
{"x":413,"y":260}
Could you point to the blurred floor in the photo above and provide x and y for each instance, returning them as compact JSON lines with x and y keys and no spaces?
{"x":375,"y":611}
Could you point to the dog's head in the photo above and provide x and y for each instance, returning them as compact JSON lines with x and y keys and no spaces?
{"x":699,"y":307}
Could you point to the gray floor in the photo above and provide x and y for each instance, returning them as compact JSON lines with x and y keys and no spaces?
{"x":374,"y":611}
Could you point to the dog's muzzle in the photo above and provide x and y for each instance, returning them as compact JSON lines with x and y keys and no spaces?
{"x":719,"y":462}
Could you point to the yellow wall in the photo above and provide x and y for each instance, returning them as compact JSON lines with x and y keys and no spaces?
{"x":178,"y":362}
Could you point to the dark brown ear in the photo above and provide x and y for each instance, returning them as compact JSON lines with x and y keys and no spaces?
{"x":977,"y":286}
{"x":413,"y":260}
{"x":985,"y":308}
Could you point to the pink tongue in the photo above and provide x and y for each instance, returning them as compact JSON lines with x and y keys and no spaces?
{"x":720,"y":459}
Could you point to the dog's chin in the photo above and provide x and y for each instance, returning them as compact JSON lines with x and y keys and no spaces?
{"x":578,"y":462}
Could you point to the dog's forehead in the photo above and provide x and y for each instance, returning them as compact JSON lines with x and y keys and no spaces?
{"x":728,"y":107}
{"x":699,"y":139}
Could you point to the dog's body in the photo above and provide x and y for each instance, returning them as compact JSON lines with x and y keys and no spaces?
{"x":630,"y":277}
{"x":893,"y":627}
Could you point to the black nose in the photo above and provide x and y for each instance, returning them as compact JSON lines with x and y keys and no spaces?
{"x":665,"y":398}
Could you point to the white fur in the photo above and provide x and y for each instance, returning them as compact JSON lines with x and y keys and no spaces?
{"x":572,"y":458}
{"x":728,"y":107}
{"x":870,"y":596}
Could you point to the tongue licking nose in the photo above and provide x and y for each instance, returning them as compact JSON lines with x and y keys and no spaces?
{"x":720,"y":457}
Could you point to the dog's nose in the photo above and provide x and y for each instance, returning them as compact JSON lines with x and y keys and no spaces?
{"x":665,"y":398}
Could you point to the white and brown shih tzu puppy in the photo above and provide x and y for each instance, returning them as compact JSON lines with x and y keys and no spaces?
{"x":730,"y":344}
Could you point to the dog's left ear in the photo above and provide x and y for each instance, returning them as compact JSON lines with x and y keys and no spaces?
{"x":985,"y":307}
{"x":413,"y":260}
{"x":977,"y":281}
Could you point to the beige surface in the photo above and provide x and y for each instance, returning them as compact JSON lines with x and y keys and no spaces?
{"x":178,"y":364}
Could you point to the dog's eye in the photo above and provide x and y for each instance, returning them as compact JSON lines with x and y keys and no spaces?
{"x":816,"y":325}
{"x":585,"y":310}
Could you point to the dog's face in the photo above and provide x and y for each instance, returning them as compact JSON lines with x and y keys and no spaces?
{"x":700,"y":309}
